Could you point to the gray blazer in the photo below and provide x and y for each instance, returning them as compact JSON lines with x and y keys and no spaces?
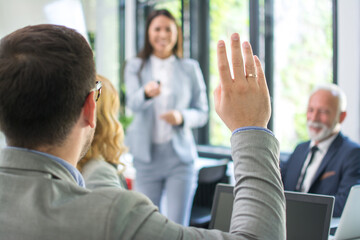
{"x":190,"y":99}
{"x":99,"y":173}
{"x":39,"y":199}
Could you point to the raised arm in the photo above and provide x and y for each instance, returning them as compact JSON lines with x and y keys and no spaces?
{"x":243,"y":103}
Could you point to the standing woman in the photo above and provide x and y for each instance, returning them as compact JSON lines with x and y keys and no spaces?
{"x":167,"y":96}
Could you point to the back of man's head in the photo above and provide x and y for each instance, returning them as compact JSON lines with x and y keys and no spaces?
{"x":46,"y":73}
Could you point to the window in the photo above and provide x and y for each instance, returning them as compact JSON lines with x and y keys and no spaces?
{"x":294,"y":40}
{"x":303,"y":57}
{"x":226,"y":17}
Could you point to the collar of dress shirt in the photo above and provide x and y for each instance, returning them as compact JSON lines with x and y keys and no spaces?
{"x":324,"y":145}
{"x":73,"y":171}
{"x":162,"y":61}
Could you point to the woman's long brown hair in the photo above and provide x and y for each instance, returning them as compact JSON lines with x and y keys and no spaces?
{"x":145,"y":53}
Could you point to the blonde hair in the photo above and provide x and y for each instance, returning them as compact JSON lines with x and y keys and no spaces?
{"x":108,"y":140}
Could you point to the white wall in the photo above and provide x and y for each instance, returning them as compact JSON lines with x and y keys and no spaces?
{"x":130,"y":32}
{"x":102,"y":18}
{"x":15,"y":14}
{"x":349,"y":63}
{"x":107,"y":40}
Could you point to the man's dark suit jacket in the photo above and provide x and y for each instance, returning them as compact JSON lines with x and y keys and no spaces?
{"x":338,"y":171}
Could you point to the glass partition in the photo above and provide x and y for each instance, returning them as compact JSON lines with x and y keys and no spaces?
{"x":303,"y":57}
{"x":226,"y":17}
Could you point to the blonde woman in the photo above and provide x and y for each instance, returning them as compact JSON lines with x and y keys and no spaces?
{"x":99,"y":166}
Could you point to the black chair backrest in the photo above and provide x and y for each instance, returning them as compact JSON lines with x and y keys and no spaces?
{"x":208,"y":178}
{"x":212,"y":174}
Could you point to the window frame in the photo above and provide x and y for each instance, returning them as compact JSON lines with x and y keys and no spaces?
{"x":198,"y":13}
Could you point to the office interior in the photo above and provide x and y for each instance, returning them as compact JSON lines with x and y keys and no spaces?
{"x":301,"y":43}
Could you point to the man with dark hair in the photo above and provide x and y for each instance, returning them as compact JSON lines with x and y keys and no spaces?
{"x":46,"y":74}
{"x":48,"y":98}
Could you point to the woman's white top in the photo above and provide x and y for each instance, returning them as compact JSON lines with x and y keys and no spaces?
{"x":162,"y":70}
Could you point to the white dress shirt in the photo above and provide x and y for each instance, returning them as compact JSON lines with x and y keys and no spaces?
{"x":162,"y":70}
{"x":315,"y":164}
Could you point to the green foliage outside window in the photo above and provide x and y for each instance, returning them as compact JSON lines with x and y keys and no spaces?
{"x":226,"y":17}
{"x":303,"y":58}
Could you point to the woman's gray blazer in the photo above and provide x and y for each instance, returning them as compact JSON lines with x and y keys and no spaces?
{"x":189,"y":98}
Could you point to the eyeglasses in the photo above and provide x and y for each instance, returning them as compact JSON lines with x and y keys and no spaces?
{"x":97,"y":88}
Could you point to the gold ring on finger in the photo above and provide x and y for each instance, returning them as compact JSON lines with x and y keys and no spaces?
{"x":251,"y":75}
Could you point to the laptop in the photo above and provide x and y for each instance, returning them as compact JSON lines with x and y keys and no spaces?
{"x":349,"y":224}
{"x":222,"y":207}
{"x":308,"y":215}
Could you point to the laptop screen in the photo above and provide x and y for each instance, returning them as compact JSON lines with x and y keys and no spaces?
{"x":349,"y":222}
{"x":222,"y":207}
{"x":308,"y":215}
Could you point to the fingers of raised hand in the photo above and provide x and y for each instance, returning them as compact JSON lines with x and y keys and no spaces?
{"x":236,"y":57}
{"x":260,"y":73}
{"x":217,"y":98}
{"x":250,"y":69}
{"x":223,"y":65}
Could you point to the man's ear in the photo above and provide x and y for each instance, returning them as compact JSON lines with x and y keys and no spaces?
{"x":89,"y":110}
{"x":342,"y":117}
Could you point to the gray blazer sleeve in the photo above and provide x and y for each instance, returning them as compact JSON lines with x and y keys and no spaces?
{"x":135,"y":92}
{"x":259,"y":205}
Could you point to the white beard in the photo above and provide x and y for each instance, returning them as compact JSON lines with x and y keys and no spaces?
{"x":325,"y":131}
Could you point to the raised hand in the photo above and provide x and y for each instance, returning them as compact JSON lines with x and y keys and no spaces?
{"x":244,"y":100}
